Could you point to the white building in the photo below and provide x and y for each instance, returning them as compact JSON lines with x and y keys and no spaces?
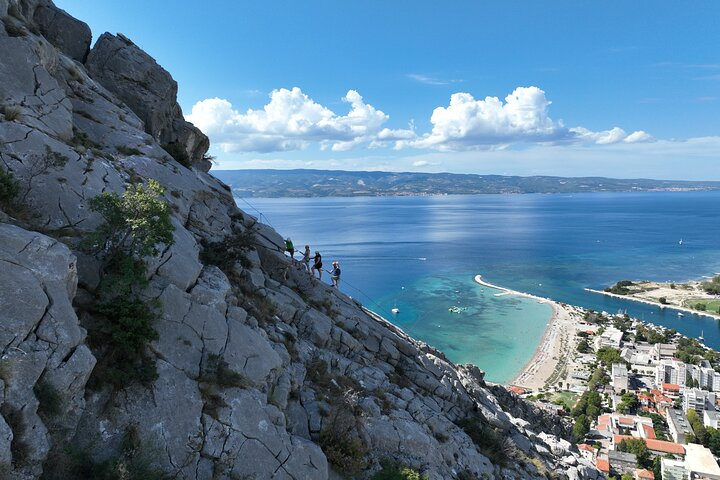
{"x":611,"y":337}
{"x":671,"y":371}
{"x":707,"y":378}
{"x":678,"y":425}
{"x":710,"y":418}
{"x":698,"y":400}
{"x":662,"y":351}
{"x":619,"y":377}
{"x":673,"y":469}
{"x":699,"y":464}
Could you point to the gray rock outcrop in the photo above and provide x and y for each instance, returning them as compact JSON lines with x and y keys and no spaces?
{"x":69,"y":35}
{"x":148,"y":89}
{"x":262,"y":371}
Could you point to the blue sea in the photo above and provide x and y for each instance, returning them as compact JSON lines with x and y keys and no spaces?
{"x":420,"y":254}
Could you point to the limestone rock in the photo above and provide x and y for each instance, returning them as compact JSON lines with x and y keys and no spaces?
{"x":69,"y":35}
{"x":148,"y":89}
{"x":40,"y":340}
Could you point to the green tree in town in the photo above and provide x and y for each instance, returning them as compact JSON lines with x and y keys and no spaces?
{"x":608,"y":355}
{"x":697,"y":425}
{"x":629,"y":402}
{"x":637,"y":447}
{"x":581,"y":427}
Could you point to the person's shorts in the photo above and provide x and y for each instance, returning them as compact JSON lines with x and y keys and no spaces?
{"x":317,"y":266}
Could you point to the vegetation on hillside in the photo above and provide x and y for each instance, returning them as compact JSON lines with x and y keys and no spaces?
{"x":135,"y":224}
{"x":178,"y":152}
{"x":327,"y":183}
{"x":391,"y":470}
{"x":713,"y":286}
{"x":620,"y":288}
{"x":9,"y":189}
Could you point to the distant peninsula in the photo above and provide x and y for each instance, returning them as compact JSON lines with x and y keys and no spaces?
{"x":337,"y":183}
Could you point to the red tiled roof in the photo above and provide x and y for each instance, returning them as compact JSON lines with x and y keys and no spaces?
{"x":603,"y":422}
{"x":649,"y":431}
{"x":665,"y":447}
{"x":643,"y":473}
{"x":602,"y":465}
{"x":671,"y":386}
{"x":653,"y":444}
{"x":626,"y":420}
{"x":517,"y":390}
{"x":585,"y":446}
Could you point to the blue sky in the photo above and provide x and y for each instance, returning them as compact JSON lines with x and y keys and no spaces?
{"x":617,"y":88}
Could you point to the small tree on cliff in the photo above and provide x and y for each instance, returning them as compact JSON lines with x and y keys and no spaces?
{"x":136,"y":223}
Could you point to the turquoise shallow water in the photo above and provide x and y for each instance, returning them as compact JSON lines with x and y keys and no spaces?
{"x":491,"y":328}
{"x":548,"y":245}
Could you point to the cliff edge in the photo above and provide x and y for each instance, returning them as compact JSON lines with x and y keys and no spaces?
{"x":257,"y":370}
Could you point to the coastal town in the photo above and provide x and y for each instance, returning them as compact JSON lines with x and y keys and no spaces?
{"x":645,"y":400}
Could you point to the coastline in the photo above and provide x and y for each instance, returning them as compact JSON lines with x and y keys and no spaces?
{"x":657,"y":304}
{"x":551,"y":355}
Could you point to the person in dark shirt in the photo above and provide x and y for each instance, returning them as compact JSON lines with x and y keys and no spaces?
{"x":317,"y":265}
{"x":335,"y":274}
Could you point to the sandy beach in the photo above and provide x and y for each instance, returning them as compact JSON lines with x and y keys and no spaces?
{"x":550,"y":362}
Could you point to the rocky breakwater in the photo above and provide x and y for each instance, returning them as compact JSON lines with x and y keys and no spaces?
{"x":249,"y":368}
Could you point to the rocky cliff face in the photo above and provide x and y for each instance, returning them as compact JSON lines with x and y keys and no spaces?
{"x":262,"y":372}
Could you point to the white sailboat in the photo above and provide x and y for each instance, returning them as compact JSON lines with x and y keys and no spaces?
{"x":701,"y":338}
{"x":680,"y":242}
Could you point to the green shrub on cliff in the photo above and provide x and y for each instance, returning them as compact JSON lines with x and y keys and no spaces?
{"x":9,"y":188}
{"x":490,"y":443}
{"x":136,"y":224}
{"x":227,"y":252}
{"x":178,"y":152}
{"x":397,"y":471}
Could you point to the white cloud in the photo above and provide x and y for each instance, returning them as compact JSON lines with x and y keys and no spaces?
{"x":491,"y":124}
{"x":429,"y":80}
{"x":399,"y":134}
{"x":608,"y":137}
{"x":291,"y":121}
{"x":424,"y":163}
{"x":639,"y":136}
{"x":470,"y":124}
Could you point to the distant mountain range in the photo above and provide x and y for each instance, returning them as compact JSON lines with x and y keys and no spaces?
{"x":337,"y":183}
